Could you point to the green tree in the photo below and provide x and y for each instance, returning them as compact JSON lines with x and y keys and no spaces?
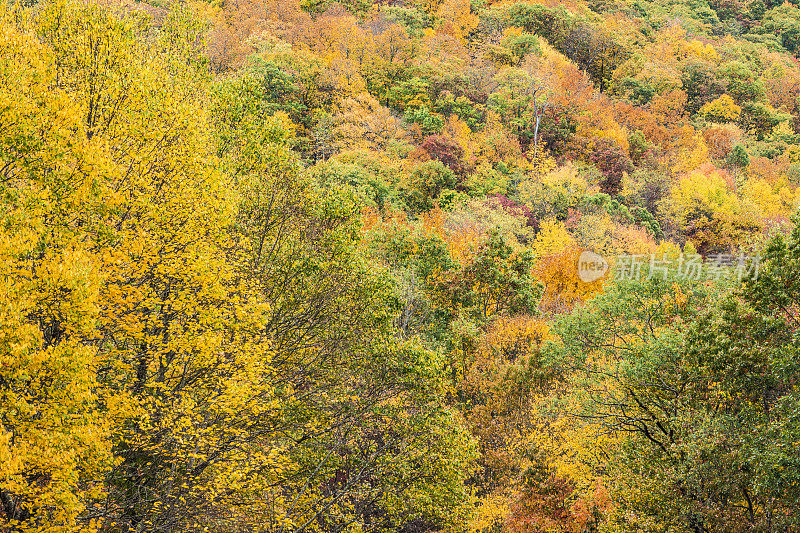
{"x":738,"y":157}
{"x":426,"y":183}
{"x":695,"y":387}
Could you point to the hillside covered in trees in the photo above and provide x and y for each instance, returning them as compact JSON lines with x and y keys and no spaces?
{"x":311,"y":266}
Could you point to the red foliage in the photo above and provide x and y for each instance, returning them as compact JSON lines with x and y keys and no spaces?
{"x":445,"y":150}
{"x":613,"y":161}
{"x":517,"y":209}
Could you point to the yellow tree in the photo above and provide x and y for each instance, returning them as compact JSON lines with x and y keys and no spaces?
{"x":362,"y":122}
{"x":557,"y":269}
{"x":456,"y":18}
{"x":162,"y":330}
{"x":723,"y":109}
{"x":500,"y":388}
{"x":54,"y":422}
{"x":709,"y":212}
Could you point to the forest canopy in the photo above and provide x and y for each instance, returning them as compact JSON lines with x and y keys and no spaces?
{"x":399,"y":266}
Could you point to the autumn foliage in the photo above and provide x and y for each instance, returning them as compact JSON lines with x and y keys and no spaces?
{"x":305,"y":265}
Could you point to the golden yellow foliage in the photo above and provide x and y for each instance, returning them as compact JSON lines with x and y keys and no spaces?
{"x":563,"y":288}
{"x":723,"y":109}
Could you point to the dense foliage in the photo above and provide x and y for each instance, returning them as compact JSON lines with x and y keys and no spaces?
{"x":304,"y":265}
